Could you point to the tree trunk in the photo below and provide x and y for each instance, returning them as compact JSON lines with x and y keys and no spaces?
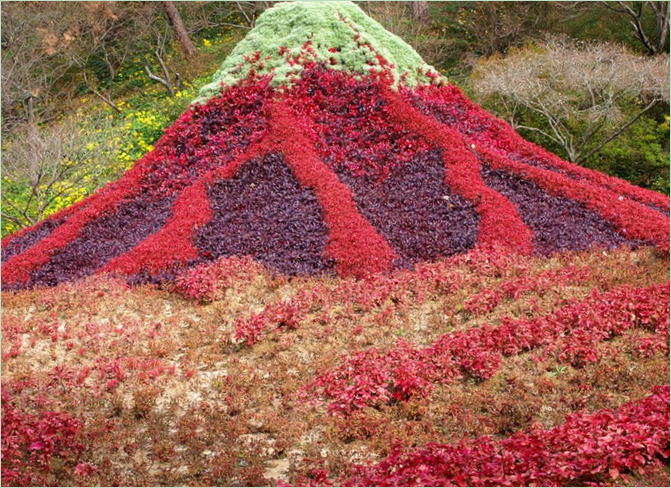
{"x":420,"y":11}
{"x":661,"y":10}
{"x":175,"y":21}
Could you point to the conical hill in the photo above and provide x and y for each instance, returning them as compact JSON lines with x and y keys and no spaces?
{"x":326,"y":145}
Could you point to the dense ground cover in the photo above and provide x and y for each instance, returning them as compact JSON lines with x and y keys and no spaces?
{"x":360,"y":281}
{"x":550,"y":369}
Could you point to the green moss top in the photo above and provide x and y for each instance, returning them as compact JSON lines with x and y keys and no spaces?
{"x":339,"y":34}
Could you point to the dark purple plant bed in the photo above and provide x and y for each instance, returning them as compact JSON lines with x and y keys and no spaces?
{"x":104,"y":239}
{"x":451,"y":111}
{"x":263,"y":212}
{"x":29,"y":239}
{"x":415,"y":211}
{"x":559,"y":224}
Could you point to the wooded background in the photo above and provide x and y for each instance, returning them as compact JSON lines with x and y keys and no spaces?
{"x":88,"y":87}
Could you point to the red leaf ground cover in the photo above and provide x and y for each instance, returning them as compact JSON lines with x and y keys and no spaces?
{"x":502,"y":353}
{"x":571,"y":334}
{"x":586,"y":449}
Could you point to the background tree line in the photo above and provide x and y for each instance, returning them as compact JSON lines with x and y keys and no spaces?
{"x":87,"y":87}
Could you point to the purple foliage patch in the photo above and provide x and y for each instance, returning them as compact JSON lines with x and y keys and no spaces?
{"x":213,"y":139}
{"x":104,"y":239}
{"x":21,"y":244}
{"x":355,"y":132}
{"x":539,"y":163}
{"x":658,"y":209}
{"x":415,"y":211}
{"x":263,"y":212}
{"x":559,"y":224}
{"x":453,"y":114}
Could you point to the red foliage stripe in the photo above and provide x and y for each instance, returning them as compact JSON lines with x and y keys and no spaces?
{"x":353,"y":242}
{"x":173,"y":243}
{"x":572,"y":334}
{"x":66,"y":212}
{"x":501,"y":137}
{"x":633,"y":219}
{"x":590,"y":447}
{"x":500,"y":223}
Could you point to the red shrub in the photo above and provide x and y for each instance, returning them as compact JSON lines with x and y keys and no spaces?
{"x":572,"y":334}
{"x":587,"y":448}
{"x":37,"y":447}
{"x":209,"y":281}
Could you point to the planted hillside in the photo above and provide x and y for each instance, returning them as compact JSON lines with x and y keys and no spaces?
{"x":401,"y":168}
{"x":365,"y":279}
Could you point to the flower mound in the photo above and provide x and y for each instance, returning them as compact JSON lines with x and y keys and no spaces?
{"x":331,"y":147}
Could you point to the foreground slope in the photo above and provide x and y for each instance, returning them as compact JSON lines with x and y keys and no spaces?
{"x":325,"y":144}
{"x":476,"y":370}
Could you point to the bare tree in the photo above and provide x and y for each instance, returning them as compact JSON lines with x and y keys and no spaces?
{"x":49,"y":48}
{"x":577,"y":91}
{"x":177,"y":24}
{"x":50,"y":163}
{"x":655,"y":42}
{"x":31,"y":71}
{"x":251,"y":10}
{"x":171,"y":80}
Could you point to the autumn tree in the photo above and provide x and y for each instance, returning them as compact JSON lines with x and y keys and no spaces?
{"x":50,"y":49}
{"x":30,"y":73}
{"x":582,"y":95}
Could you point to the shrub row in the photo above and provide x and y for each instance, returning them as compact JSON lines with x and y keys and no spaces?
{"x":588,"y":449}
{"x":488,"y":299}
{"x":209,"y":281}
{"x":572,"y":334}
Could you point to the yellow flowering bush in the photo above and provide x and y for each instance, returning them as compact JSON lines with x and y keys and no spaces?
{"x":142,"y":127}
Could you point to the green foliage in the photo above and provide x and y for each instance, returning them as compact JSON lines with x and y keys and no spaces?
{"x":16,"y":191}
{"x":107,"y":145}
{"x":83,"y":157}
{"x":594,"y":21}
{"x":327,"y":25}
{"x":640,"y":155}
{"x":146,"y":118}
